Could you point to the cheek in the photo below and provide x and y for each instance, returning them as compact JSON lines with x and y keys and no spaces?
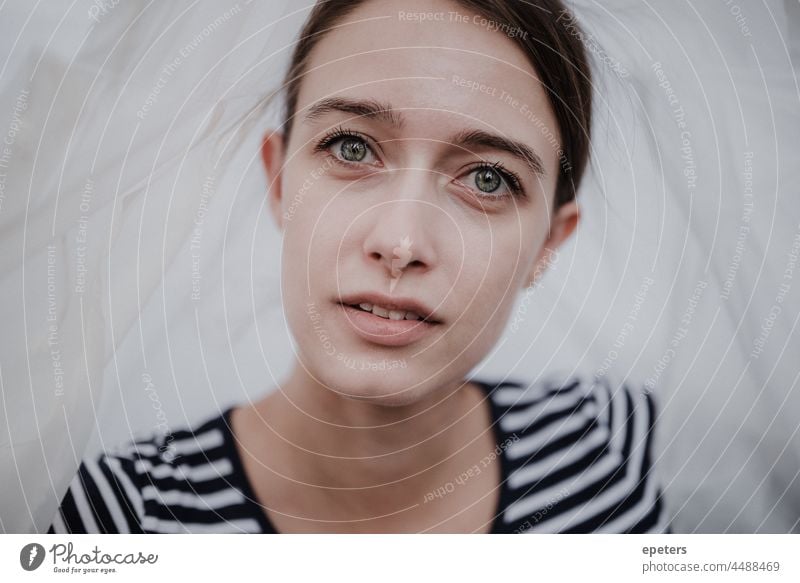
{"x":499,"y":291}
{"x":306,"y":220}
{"x":499,"y":265}
{"x":491,"y":277}
{"x":312,"y":250}
{"x":301,"y":257}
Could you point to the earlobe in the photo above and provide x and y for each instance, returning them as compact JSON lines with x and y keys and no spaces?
{"x":563,"y":225}
{"x":272,"y":155}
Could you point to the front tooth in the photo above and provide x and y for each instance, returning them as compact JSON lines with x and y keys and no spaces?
{"x":378,"y":311}
{"x":396,"y":314}
{"x":413,"y":316}
{"x":365,"y":306}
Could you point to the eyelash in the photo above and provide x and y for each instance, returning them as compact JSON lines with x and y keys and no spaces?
{"x":335,"y":135}
{"x":509,"y":177}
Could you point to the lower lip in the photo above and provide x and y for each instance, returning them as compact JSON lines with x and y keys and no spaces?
{"x":384,"y":331}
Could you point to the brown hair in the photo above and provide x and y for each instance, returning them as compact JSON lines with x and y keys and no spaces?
{"x":543,"y":29}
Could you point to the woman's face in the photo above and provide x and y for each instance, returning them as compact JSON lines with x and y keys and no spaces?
{"x":421,"y":168}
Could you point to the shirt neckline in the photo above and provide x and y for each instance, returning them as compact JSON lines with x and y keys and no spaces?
{"x":242,"y":482}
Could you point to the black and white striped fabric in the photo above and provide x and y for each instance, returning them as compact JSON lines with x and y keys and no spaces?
{"x":576,"y":457}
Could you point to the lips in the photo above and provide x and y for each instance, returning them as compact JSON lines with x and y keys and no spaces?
{"x":391,"y":321}
{"x":388,"y":314}
{"x":390,"y":307}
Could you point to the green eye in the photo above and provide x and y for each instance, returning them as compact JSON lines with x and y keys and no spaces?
{"x":353,"y":149}
{"x":493,"y":181}
{"x":488,"y":180}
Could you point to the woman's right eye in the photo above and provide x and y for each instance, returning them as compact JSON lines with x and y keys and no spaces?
{"x":347,"y":147}
{"x":353,"y":149}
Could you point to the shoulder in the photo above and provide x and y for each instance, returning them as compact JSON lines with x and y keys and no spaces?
{"x":184,"y":481}
{"x":579,"y":456}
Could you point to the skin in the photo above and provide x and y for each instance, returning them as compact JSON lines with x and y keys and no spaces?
{"x":343,"y":450}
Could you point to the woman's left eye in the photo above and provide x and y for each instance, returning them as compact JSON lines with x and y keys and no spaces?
{"x":493,"y":180}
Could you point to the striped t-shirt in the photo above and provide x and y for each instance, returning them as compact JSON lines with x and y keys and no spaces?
{"x":576,"y":457}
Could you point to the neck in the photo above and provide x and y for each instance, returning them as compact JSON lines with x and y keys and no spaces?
{"x":343,"y":443}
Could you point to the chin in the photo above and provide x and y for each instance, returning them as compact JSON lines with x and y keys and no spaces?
{"x":352,"y":367}
{"x":392,"y":388}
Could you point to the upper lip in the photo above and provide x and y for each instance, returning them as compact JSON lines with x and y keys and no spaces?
{"x":392,"y":303}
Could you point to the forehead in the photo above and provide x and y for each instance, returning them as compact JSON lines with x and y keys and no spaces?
{"x":439,"y":61}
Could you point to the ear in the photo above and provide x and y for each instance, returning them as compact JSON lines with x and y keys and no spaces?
{"x":562,"y":225}
{"x":272,"y":155}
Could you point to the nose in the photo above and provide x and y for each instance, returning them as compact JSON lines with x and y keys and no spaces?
{"x":400,"y":236}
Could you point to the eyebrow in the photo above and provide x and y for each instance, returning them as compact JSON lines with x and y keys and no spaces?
{"x":482,"y":139}
{"x":363,"y":108}
{"x":384,"y":112}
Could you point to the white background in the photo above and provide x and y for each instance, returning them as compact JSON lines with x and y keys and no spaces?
{"x":729,"y":449}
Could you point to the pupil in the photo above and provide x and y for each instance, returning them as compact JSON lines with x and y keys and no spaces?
{"x":487,"y":180}
{"x":353,"y":150}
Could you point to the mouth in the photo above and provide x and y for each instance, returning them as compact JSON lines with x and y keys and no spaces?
{"x":389,"y":322}
{"x":391,"y":308}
